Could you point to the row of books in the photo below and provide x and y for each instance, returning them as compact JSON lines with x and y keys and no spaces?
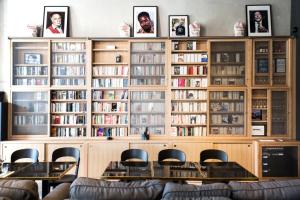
{"x":68,"y":94}
{"x":147,"y":120}
{"x":228,"y":70}
{"x":68,"y":70}
{"x":30,"y":106}
{"x":189,"y":57}
{"x":227,"y":130}
{"x":189,"y":107}
{"x":227,"y":107}
{"x":110,"y":82}
{"x":189,"y":70}
{"x":188,"y":119}
{"x":110,"y":70}
{"x":147,"y":81}
{"x":189,"y":131}
{"x":190,"y":45}
{"x":189,"y":94}
{"x":219,"y":119}
{"x":148,"y":107}
{"x":189,"y":82}
{"x":68,"y":81}
{"x":230,"y":95}
{"x":148,"y":58}
{"x":108,"y":131}
{"x":79,"y":58}
{"x":148,"y":70}
{"x":148,"y":46}
{"x":68,"y":119}
{"x":40,"y":119}
{"x":68,"y":46}
{"x":110,"y":94}
{"x":145,"y":95}
{"x":30,"y":96}
{"x":109,"y":107}
{"x":68,"y":107}
{"x":68,"y":131}
{"x":23,"y":71}
{"x":228,"y":81}
{"x":31,"y":81}
{"x":156,"y":130}
{"x":109,"y":119}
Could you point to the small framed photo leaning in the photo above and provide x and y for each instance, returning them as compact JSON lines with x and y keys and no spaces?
{"x":178,"y":25}
{"x":56,"y":21}
{"x":259,"y":20}
{"x":145,"y":21}
{"x":32,"y":58}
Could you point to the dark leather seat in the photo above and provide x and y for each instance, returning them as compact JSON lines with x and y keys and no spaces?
{"x":171,"y":154}
{"x":134,"y":154}
{"x":33,"y":154}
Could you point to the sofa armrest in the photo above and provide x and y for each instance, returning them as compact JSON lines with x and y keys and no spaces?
{"x":60,"y":192}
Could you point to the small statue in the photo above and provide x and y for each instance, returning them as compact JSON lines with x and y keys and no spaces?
{"x":194,"y":29}
{"x":124,"y":30}
{"x":146,"y":135}
{"x":239,"y":29}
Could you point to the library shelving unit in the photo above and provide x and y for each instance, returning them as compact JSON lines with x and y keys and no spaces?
{"x":189,"y":87}
{"x":110,"y":81}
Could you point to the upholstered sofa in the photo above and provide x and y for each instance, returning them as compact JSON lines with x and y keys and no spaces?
{"x":90,"y":189}
{"x":18,"y":190}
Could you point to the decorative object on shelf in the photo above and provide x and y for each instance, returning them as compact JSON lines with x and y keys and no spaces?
{"x":56,"y":21}
{"x":239,"y":29}
{"x":178,"y":25}
{"x":145,"y":21}
{"x":146,"y":135}
{"x":194,"y":29}
{"x":259,"y":20}
{"x":118,"y":58}
{"x":34,"y":30}
{"x":124,"y":30}
{"x":32,"y":58}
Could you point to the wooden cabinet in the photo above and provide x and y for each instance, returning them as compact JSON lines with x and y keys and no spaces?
{"x":192,"y":149}
{"x":101,"y":153}
{"x":152,"y":148}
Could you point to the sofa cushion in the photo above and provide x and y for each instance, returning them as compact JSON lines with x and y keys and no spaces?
{"x":87,"y":188}
{"x":18,"y":189}
{"x":286,"y":189}
{"x":186,"y":191}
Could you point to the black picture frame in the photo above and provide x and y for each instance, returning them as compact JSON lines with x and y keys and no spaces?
{"x":259,"y":20}
{"x":52,"y":13}
{"x":178,"y":26}
{"x":150,"y":13}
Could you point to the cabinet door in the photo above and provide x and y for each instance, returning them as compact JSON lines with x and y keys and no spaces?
{"x":101,"y":153}
{"x":192,"y":150}
{"x":152,"y":148}
{"x":83,"y":158}
{"x":8,"y":149}
{"x":240,"y":153}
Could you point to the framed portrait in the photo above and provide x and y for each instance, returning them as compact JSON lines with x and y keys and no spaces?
{"x":56,"y":21}
{"x":32,"y":58}
{"x":178,"y":25}
{"x":259,"y":20}
{"x":145,"y":21}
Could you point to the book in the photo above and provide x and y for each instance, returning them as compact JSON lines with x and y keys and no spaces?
{"x":262,"y":66}
{"x":258,"y":130}
{"x":280,"y":65}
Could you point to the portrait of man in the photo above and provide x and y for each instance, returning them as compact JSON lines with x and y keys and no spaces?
{"x":55,"y":21}
{"x":145,"y":21}
{"x":178,"y":25}
{"x":259,"y":20}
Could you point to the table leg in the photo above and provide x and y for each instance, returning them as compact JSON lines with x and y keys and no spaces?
{"x":45,"y":188}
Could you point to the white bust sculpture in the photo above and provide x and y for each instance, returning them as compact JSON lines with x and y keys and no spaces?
{"x":239,"y":29}
{"x":124,"y":30}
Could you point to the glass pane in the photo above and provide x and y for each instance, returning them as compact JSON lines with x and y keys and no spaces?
{"x":279,"y":113}
{"x":279,"y":62}
{"x":262,"y":65}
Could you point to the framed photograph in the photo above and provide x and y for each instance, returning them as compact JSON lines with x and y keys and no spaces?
{"x":258,"y":130}
{"x":178,"y":25}
{"x":262,"y":66}
{"x":257,"y":114}
{"x":32,"y":58}
{"x":145,"y":21}
{"x":56,"y":21}
{"x":280,"y":65}
{"x":259,"y":20}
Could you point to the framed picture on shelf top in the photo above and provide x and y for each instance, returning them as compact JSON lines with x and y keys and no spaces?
{"x":56,"y":21}
{"x":32,"y":58}
{"x":145,"y":21}
{"x":259,"y":20}
{"x":178,"y":25}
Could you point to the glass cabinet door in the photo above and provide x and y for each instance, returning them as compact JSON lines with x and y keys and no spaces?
{"x":147,"y":63}
{"x":29,"y":113}
{"x":279,"y":113}
{"x":279,"y":62}
{"x":261,"y":63}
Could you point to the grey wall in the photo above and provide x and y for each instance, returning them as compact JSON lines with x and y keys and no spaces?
{"x":101,"y":18}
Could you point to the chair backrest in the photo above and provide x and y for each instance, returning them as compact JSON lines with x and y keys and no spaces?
{"x":134,"y":154}
{"x":67,"y":152}
{"x":171,"y":154}
{"x":213,"y":154}
{"x":25,"y":153}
